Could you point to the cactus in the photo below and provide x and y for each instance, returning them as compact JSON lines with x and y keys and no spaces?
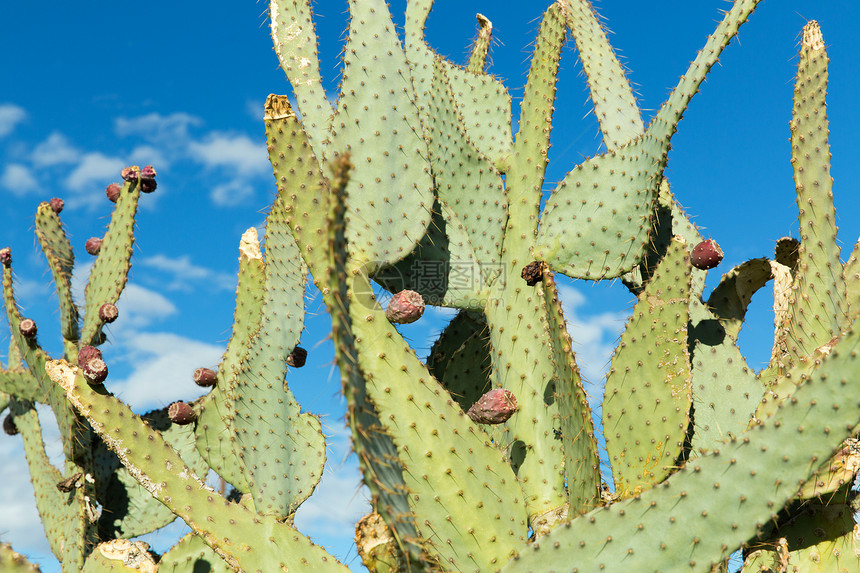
{"x":485,"y":457}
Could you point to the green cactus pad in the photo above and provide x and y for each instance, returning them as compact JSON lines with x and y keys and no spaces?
{"x":390,"y":189}
{"x":21,"y":384}
{"x":192,"y":554}
{"x":817,"y":307}
{"x":121,"y":555}
{"x":13,"y":562}
{"x":483,"y":101}
{"x":481,"y":45}
{"x":128,"y":509}
{"x":61,"y":260}
{"x":820,"y":539}
{"x":851,"y":277}
{"x":266,"y":543}
{"x":646,"y":409}
{"x":725,"y":391}
{"x":110,"y":271}
{"x":303,"y":190}
{"x":719,"y":501}
{"x":216,"y":410}
{"x":296,"y":45}
{"x":581,"y":461}
{"x":464,"y":179}
{"x":614,"y":104}
{"x":281,"y":448}
{"x":472,"y":513}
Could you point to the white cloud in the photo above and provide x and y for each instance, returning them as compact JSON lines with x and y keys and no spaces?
{"x":148,"y":155}
{"x":234,"y":192}
{"x":95,"y":170}
{"x":55,"y":150}
{"x":140,"y":307}
{"x":18,"y":179}
{"x":169,"y":129}
{"x":238,"y":153}
{"x":185,"y":272}
{"x":162,"y":366}
{"x":10,"y":116}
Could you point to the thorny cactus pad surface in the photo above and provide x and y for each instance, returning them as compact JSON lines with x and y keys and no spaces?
{"x":485,"y":457}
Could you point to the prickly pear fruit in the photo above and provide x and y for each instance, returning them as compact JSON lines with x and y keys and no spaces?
{"x":9,"y":425}
{"x":6,"y":256}
{"x":205,"y":377}
{"x":93,"y":245}
{"x":298,"y":357}
{"x":87,"y":353}
{"x":147,"y":179}
{"x":27,"y":327}
{"x":706,"y":255}
{"x":108,"y":312}
{"x":494,"y":407}
{"x":181,"y":413}
{"x":57,"y":205}
{"x":95,"y":371}
{"x":113,"y":190}
{"x":405,"y":307}
{"x":532,"y":272}
{"x":130,"y":173}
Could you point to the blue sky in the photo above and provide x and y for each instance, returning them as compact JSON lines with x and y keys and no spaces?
{"x":181,"y":85}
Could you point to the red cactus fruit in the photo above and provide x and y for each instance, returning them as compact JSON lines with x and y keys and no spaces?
{"x":205,"y":377}
{"x":93,"y":245}
{"x":147,"y":179}
{"x":28,"y":329}
{"x":148,"y":172}
{"x":298,"y":357}
{"x":9,"y":425}
{"x":95,"y":371}
{"x":405,"y":307}
{"x":181,"y":413}
{"x":494,"y":407}
{"x":57,"y":205}
{"x":113,"y":190}
{"x":87,"y":353}
{"x":130,"y":173}
{"x":706,"y":255}
{"x":6,"y":256}
{"x":108,"y":312}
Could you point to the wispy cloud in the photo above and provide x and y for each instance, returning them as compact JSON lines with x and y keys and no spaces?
{"x":94,"y":169}
{"x":158,"y":128}
{"x":18,"y":179}
{"x":184,"y":273}
{"x":236,"y":153}
{"x":140,"y":307}
{"x":55,"y":150}
{"x":233,"y":192}
{"x":10,"y":116}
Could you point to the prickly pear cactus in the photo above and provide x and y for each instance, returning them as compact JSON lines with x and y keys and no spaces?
{"x":485,"y":457}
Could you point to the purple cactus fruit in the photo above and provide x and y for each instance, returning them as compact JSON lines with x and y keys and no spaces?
{"x":113,"y":190}
{"x":87,"y":353}
{"x":405,"y":307}
{"x":108,"y":312}
{"x":28,"y":329}
{"x":95,"y":371}
{"x":298,"y":357}
{"x":494,"y":407}
{"x":148,"y":172}
{"x":148,"y":185}
{"x":6,"y":256}
{"x":181,"y":413}
{"x":205,"y":377}
{"x":532,"y":272}
{"x":130,"y":173}
{"x":9,"y":425}
{"x":93,"y":245}
{"x":706,"y":255}
{"x":57,"y":205}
